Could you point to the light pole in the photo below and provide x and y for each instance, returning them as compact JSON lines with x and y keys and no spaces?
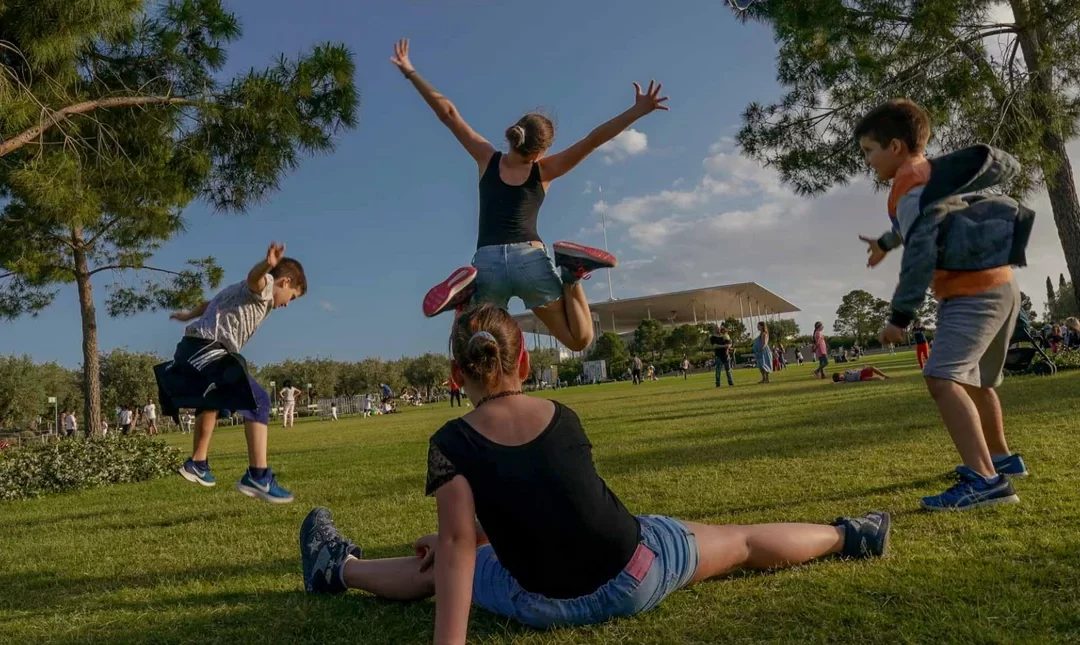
{"x":56,"y":415}
{"x":603,"y":225}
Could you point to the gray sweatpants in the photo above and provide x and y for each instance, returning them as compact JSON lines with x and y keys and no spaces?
{"x":973,"y":335}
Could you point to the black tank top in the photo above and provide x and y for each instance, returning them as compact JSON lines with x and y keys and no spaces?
{"x":508,"y":213}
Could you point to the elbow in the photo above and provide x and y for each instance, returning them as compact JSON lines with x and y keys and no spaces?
{"x":446,"y":111}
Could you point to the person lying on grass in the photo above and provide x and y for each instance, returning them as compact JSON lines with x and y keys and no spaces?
{"x":867,"y":373}
{"x":529,"y":530}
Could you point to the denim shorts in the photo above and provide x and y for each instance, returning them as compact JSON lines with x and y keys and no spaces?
{"x":523,"y":270}
{"x":666,"y":560}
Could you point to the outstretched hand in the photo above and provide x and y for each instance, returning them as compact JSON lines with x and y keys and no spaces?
{"x":649,"y":100}
{"x":401,"y":56}
{"x":181,"y":316}
{"x":274,"y":254}
{"x":874,"y":250}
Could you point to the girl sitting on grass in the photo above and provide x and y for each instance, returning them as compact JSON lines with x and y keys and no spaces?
{"x":529,"y":530}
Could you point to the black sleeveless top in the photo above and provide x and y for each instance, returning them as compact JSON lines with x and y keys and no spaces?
{"x":508,"y":213}
{"x":553,"y":522}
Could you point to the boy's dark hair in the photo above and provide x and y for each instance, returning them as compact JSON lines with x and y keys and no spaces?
{"x":486,"y":343}
{"x":533,"y":133}
{"x":294,"y":271}
{"x":836,"y":377}
{"x":901,"y":119}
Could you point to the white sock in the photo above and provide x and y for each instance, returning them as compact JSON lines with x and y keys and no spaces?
{"x":341,"y":571}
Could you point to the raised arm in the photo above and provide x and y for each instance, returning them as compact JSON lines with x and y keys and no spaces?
{"x":256,"y":279}
{"x":477,"y":146}
{"x":455,"y":562}
{"x":646,"y":102}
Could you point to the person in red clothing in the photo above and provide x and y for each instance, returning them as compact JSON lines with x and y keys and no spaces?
{"x":455,"y":392}
{"x":922,"y":346}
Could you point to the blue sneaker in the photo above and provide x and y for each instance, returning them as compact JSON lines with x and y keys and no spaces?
{"x":323,"y":553}
{"x":193,"y":473}
{"x":267,"y":490}
{"x":971,"y":491}
{"x":1013,"y":466}
{"x":866,"y":536}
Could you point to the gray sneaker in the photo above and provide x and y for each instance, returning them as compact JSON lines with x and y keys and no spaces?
{"x":866,"y":536}
{"x":323,"y":553}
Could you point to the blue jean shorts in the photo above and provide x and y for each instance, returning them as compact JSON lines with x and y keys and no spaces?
{"x":667,"y":547}
{"x":523,"y":270}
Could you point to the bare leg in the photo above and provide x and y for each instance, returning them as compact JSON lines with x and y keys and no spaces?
{"x":204,"y":430}
{"x":878,"y":372}
{"x":568,"y":318}
{"x":391,"y":578}
{"x":255,"y":433}
{"x":723,"y":549}
{"x":993,"y":427}
{"x":961,"y":417}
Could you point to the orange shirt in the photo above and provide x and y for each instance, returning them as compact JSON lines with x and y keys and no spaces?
{"x":913,"y":173}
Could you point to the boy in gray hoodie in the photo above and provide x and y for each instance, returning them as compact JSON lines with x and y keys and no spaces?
{"x":962,"y":246}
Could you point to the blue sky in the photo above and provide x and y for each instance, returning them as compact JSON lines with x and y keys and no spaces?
{"x":394,"y":209}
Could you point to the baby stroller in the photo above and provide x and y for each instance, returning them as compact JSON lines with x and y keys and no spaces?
{"x":1024,"y":359}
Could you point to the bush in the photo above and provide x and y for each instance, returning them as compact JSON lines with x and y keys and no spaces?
{"x":1068,"y":359}
{"x":32,"y":471}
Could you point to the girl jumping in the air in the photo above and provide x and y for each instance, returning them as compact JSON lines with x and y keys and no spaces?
{"x":510,"y":259}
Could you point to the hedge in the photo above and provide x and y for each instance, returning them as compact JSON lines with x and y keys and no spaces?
{"x":76,"y":464}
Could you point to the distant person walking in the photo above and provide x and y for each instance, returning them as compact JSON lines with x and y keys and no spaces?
{"x":71,"y":426}
{"x":150,"y":413}
{"x":127,"y":417}
{"x":635,"y":369}
{"x":722,"y":348}
{"x":821,"y":350}
{"x":685,"y":368}
{"x":763,"y":354}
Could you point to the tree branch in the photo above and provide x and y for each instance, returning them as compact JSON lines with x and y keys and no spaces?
{"x":132,"y":267}
{"x":28,"y":135}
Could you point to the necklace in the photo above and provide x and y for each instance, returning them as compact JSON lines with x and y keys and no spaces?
{"x":500,"y":395}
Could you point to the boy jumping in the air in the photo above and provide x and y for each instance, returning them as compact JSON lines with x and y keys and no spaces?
{"x":208,"y":373}
{"x":963,"y":248}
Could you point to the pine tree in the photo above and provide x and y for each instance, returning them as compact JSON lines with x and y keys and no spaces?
{"x":112,"y":119}
{"x":1014,"y":84}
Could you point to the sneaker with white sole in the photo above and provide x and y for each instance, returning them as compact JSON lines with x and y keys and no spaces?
{"x":866,"y":536}
{"x":323,"y":553}
{"x":268,"y":490}
{"x":972,"y":490}
{"x":451,"y":293}
{"x":579,"y":260}
{"x":194,"y":474}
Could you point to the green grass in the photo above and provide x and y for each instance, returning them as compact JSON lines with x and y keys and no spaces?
{"x":169,"y":562}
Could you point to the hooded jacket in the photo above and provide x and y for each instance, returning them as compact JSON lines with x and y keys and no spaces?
{"x":955,"y":229}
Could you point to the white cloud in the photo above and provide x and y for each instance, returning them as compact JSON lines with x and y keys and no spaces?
{"x":588,"y":188}
{"x":327,"y":306}
{"x":627,"y":144}
{"x":739,"y":223}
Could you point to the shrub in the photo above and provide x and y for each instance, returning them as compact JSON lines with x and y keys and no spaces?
{"x":1067,"y":360}
{"x":32,"y":471}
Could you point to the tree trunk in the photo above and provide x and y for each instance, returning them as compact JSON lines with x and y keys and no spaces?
{"x":1057,"y":170}
{"x":1065,"y":204}
{"x":91,"y":367}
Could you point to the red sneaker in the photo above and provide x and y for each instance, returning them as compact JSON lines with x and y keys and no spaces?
{"x":451,"y":293}
{"x":581,"y":260}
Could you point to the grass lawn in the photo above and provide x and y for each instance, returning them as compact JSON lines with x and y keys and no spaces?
{"x":170,"y":562}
